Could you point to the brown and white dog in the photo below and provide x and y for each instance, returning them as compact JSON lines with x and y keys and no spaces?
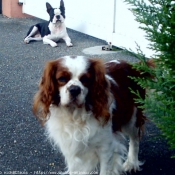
{"x":85,"y":105}
{"x":53,"y":30}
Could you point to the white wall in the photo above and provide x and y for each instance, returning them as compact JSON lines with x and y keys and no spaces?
{"x":127,"y":31}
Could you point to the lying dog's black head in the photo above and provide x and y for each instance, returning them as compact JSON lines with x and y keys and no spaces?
{"x":56,"y":14}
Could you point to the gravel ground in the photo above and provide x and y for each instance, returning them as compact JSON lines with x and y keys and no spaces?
{"x":23,"y":146}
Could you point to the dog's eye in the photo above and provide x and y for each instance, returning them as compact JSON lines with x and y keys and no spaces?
{"x":62,"y":79}
{"x":85,"y":79}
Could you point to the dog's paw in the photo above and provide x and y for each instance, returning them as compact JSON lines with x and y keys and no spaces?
{"x":54,"y":44}
{"x":26,"y":41}
{"x":69,"y":44}
{"x":132,"y":166}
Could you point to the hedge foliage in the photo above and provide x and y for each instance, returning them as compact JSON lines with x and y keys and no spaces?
{"x":157,"y":19}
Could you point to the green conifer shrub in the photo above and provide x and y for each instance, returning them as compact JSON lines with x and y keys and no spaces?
{"x":157,"y":19}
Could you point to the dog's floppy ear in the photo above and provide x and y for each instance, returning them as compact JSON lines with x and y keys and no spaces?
{"x":48,"y":91}
{"x":49,"y":7}
{"x":62,"y":8}
{"x":99,"y":91}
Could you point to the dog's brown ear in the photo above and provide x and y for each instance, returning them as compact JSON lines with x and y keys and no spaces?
{"x":48,"y":6}
{"x":62,"y":8}
{"x":99,"y":91}
{"x":48,"y":91}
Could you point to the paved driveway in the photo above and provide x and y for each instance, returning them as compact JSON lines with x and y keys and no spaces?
{"x":23,"y":146}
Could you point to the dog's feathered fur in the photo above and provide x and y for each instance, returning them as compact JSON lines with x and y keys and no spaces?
{"x":85,"y":105}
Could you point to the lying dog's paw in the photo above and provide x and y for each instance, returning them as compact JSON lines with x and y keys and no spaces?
{"x":69,"y":44}
{"x":26,"y":40}
{"x":54,"y":44}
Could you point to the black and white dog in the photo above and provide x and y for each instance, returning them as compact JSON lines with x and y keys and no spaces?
{"x":53,"y":30}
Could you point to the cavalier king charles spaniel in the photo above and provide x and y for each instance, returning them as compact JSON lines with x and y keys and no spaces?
{"x":86,"y":106}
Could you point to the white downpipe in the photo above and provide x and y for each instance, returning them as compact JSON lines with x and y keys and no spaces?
{"x":114,"y":17}
{"x":111,"y":36}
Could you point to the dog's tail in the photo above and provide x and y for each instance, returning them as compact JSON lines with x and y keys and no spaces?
{"x":149,"y":72}
{"x":151,"y":63}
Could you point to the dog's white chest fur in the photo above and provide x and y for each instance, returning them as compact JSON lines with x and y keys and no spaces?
{"x":70,"y":128}
{"x":57,"y":30}
{"x":80,"y":138}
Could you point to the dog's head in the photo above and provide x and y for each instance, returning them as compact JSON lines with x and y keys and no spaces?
{"x":74,"y":82}
{"x":56,"y":14}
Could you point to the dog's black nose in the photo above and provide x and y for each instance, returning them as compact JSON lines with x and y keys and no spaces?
{"x":74,"y":90}
{"x":58,"y":16}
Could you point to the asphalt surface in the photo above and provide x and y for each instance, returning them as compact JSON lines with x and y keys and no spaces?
{"x":23,"y":145}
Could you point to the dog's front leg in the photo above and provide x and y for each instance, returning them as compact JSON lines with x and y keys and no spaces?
{"x":48,"y":40}
{"x":67,"y":40}
{"x":111,"y":159}
{"x":104,"y":164}
{"x":83,"y":162}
